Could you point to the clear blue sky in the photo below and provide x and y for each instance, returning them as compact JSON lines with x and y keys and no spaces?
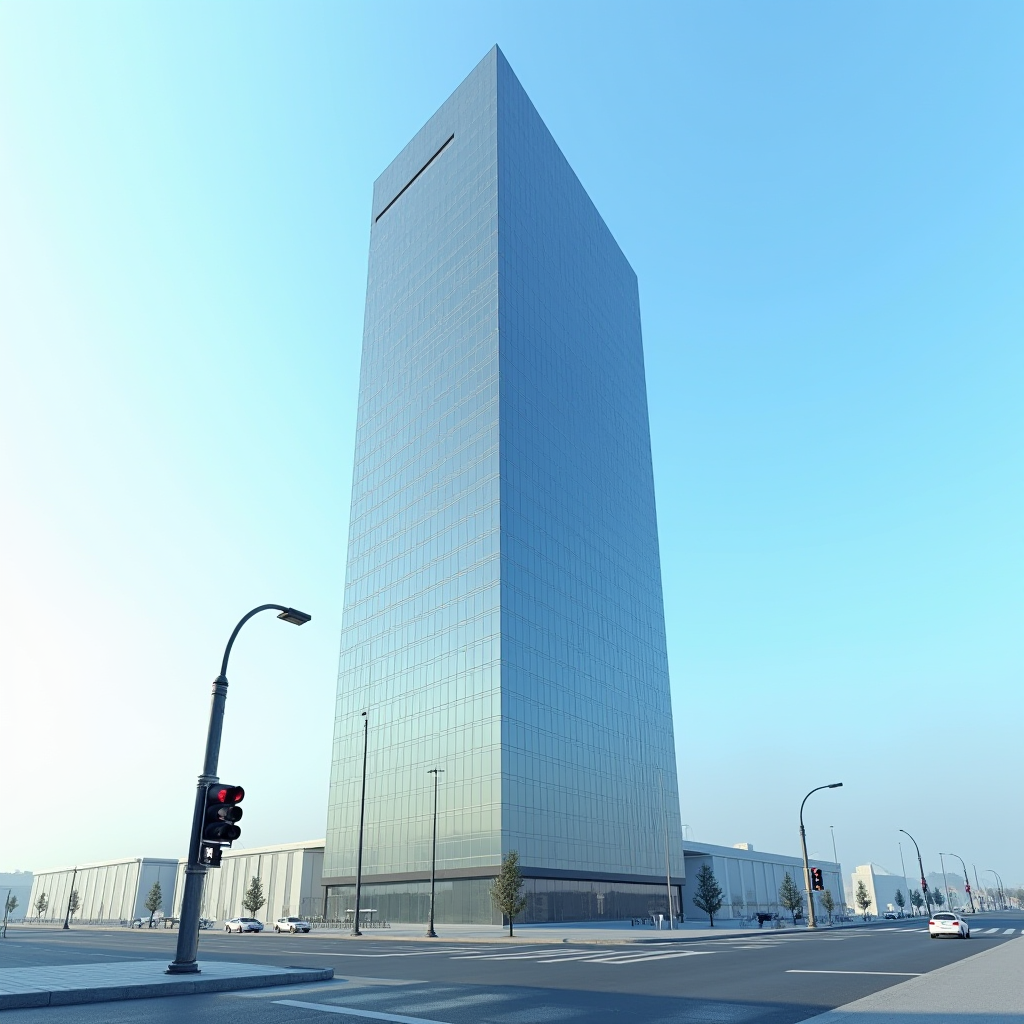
{"x":823,"y":203}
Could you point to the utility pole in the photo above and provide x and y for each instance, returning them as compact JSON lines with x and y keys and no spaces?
{"x":71,"y":894}
{"x":187,"y":949}
{"x":362,"y":808}
{"x":811,"y":923}
{"x":431,"y":934}
{"x":920,"y":867}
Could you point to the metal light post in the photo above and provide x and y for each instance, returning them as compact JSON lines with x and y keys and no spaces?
{"x":920,"y":867}
{"x":835,"y":857}
{"x":913,"y":909}
{"x":967,"y":881}
{"x":668,"y":873}
{"x":195,"y":871}
{"x":811,"y":923}
{"x":945,"y":884}
{"x":1002,"y":896}
{"x":362,"y":808}
{"x":977,"y":886}
{"x":74,"y":875}
{"x":431,"y":934}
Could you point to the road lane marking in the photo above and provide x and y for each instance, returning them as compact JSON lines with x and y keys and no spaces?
{"x":1009,"y":931}
{"x":397,"y":1018}
{"x":633,"y":959}
{"x":885,"y":974}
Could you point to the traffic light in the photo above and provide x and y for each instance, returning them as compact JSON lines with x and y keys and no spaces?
{"x":967,"y":886}
{"x":817,"y":881}
{"x":924,"y":886}
{"x":222,"y":811}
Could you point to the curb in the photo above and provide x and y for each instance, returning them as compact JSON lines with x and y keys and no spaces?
{"x":184,"y":987}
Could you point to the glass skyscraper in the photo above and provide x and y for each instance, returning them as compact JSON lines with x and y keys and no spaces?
{"x":503,"y":615}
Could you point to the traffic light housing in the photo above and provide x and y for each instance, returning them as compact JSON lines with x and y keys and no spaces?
{"x":924,"y":886}
{"x":222,"y":812}
{"x":817,"y":881}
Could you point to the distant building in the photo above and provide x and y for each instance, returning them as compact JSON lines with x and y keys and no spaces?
{"x":290,"y":874}
{"x":108,"y":893}
{"x":750,"y":879}
{"x":881,"y":887}
{"x":19,"y":885}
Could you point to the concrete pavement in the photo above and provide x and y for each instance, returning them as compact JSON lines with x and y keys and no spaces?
{"x":99,"y":983}
{"x":984,"y":989}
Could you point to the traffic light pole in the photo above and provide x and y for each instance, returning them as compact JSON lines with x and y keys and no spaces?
{"x":195,"y":871}
{"x":920,"y":867}
{"x":811,"y":922}
{"x":967,"y":881}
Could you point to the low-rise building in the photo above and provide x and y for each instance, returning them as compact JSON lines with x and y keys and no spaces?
{"x":111,"y":892}
{"x":750,"y":880}
{"x":289,"y":874}
{"x":881,"y":886}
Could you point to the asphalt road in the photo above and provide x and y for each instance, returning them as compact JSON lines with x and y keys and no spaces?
{"x":770,"y":978}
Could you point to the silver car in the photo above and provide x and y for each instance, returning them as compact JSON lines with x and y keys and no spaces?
{"x":291,"y":924}
{"x":243,"y":924}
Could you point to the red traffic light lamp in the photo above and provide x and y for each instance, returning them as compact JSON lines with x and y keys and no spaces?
{"x":222,"y":811}
{"x":817,"y":880}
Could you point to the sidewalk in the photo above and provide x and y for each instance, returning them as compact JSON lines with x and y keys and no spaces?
{"x":100,"y":983}
{"x":987,"y":988}
{"x":577,"y":931}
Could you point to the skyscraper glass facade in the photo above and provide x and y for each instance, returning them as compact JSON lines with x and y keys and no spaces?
{"x":503,"y":613}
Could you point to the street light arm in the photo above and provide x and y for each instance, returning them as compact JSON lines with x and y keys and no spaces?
{"x":831,"y":785}
{"x":241,"y":623}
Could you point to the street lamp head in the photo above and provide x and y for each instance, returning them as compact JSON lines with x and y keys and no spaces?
{"x":294,"y":616}
{"x":835,"y":785}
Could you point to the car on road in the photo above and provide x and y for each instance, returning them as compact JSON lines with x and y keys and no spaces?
{"x":291,"y":924}
{"x":890,"y":916}
{"x":949,"y":924}
{"x":243,"y":924}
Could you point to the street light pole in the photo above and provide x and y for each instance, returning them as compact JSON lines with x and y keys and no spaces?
{"x":431,"y":934}
{"x":920,"y":867}
{"x":74,"y":875}
{"x":668,"y":873}
{"x":195,"y":870}
{"x":913,"y":909}
{"x":1002,"y":897}
{"x":811,"y":923}
{"x":977,"y":885}
{"x":967,"y":881}
{"x":835,"y":857}
{"x":945,"y":884}
{"x":362,"y":808}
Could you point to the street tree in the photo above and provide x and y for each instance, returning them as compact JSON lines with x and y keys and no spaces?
{"x":709,"y":894}
{"x":900,"y":900}
{"x":154,"y":901}
{"x":254,"y":899}
{"x":74,"y":904}
{"x":42,"y":902}
{"x":916,"y":900}
{"x":829,"y":903}
{"x":12,"y":905}
{"x":507,"y":889}
{"x":790,"y":896}
{"x":937,"y":898}
{"x":862,"y":899}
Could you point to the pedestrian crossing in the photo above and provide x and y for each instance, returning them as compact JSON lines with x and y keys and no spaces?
{"x":593,"y":956}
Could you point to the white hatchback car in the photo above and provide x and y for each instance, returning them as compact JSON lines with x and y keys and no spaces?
{"x":291,"y":924}
{"x":243,"y":924}
{"x":948,"y":924}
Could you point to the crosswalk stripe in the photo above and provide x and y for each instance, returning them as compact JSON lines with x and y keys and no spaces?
{"x":1009,"y":931}
{"x":656,"y":956}
{"x":991,"y":931}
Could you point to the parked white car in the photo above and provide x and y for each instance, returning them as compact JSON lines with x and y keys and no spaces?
{"x":243,"y":924}
{"x":291,"y":924}
{"x":950,"y":924}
